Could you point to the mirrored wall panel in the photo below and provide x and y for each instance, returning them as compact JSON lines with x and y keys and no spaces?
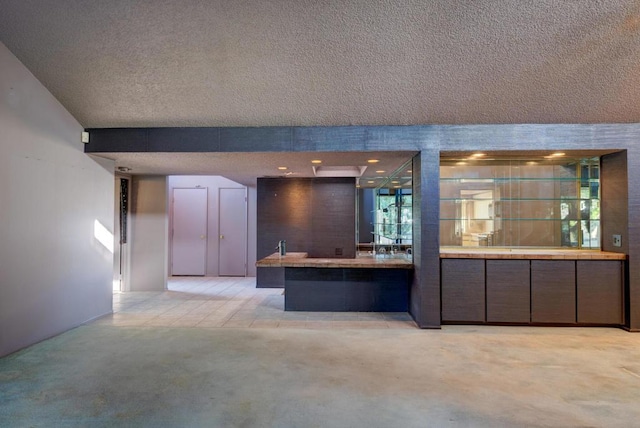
{"x":393,"y":214}
{"x":498,"y":202}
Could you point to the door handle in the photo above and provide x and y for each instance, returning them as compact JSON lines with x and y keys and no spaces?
{"x":221,"y":236}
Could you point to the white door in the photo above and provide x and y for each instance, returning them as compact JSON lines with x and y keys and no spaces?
{"x":232,"y":256}
{"x":189,"y":234}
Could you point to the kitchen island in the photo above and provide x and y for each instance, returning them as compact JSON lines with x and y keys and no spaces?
{"x":361,"y":284}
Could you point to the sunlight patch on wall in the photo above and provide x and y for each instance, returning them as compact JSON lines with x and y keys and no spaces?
{"x":103,"y":235}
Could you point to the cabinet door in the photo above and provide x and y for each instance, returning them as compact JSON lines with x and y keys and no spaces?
{"x":553,"y":291}
{"x":463,"y":297}
{"x":508,"y":291}
{"x":600,"y":291}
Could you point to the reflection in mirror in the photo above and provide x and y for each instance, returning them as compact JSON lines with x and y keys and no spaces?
{"x":391,"y":217}
{"x":547,"y":202}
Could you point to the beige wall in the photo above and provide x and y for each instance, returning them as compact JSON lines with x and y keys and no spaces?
{"x":54,"y":273}
{"x":149,"y":233}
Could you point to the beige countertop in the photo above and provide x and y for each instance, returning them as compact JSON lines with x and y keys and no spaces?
{"x":293,"y":259}
{"x":527,"y":253}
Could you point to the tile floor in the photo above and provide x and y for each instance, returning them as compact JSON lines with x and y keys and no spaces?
{"x":229,"y":302}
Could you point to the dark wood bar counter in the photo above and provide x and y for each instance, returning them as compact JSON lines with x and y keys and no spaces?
{"x":362,"y":284}
{"x":298,"y":259}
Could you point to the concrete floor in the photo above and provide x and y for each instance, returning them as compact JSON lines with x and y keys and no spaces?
{"x":138,"y":368}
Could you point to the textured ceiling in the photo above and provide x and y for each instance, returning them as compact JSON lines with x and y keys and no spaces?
{"x":124,"y":63}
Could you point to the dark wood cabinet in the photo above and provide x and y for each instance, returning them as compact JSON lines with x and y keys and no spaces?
{"x":599,"y":291}
{"x":508,"y":291}
{"x":553,"y":291}
{"x":530,"y":291}
{"x":463,"y":292}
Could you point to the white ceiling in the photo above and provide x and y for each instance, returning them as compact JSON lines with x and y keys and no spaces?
{"x":127,"y":63}
{"x":244,"y":168}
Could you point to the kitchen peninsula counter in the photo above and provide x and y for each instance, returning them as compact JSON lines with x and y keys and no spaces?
{"x":300,"y":259}
{"x":362,"y":284}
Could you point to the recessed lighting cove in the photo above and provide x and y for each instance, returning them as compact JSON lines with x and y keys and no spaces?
{"x":338,"y":171}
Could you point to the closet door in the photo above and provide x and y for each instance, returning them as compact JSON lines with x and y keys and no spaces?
{"x":189,"y":233}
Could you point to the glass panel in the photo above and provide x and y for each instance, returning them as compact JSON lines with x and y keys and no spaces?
{"x":519,"y":203}
{"x":393,"y":217}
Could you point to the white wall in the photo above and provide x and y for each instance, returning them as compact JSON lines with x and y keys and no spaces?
{"x":54,"y":274}
{"x":149,"y":233}
{"x":213,"y":184}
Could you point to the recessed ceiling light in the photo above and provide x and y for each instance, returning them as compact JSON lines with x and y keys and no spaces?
{"x":282,"y":168}
{"x":395,"y":182}
{"x":373,"y":161}
{"x":478,"y":155}
{"x":409,"y":171}
{"x":461,"y":163}
{"x":397,"y":187}
{"x":370,"y":181}
{"x":316,"y":161}
{"x":380,"y":171}
{"x":532,"y":163}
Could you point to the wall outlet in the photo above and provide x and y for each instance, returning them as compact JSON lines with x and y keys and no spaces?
{"x":617,"y":240}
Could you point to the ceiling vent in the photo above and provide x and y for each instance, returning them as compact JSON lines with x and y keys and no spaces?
{"x":338,"y":171}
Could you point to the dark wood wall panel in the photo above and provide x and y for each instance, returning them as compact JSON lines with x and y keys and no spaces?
{"x":614,"y":205}
{"x":508,"y":291}
{"x":463,"y":292}
{"x":553,"y":291}
{"x":599,"y":288}
{"x":425,"y":288}
{"x":314,"y":215}
{"x":283,"y":212}
{"x":333,"y":218}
